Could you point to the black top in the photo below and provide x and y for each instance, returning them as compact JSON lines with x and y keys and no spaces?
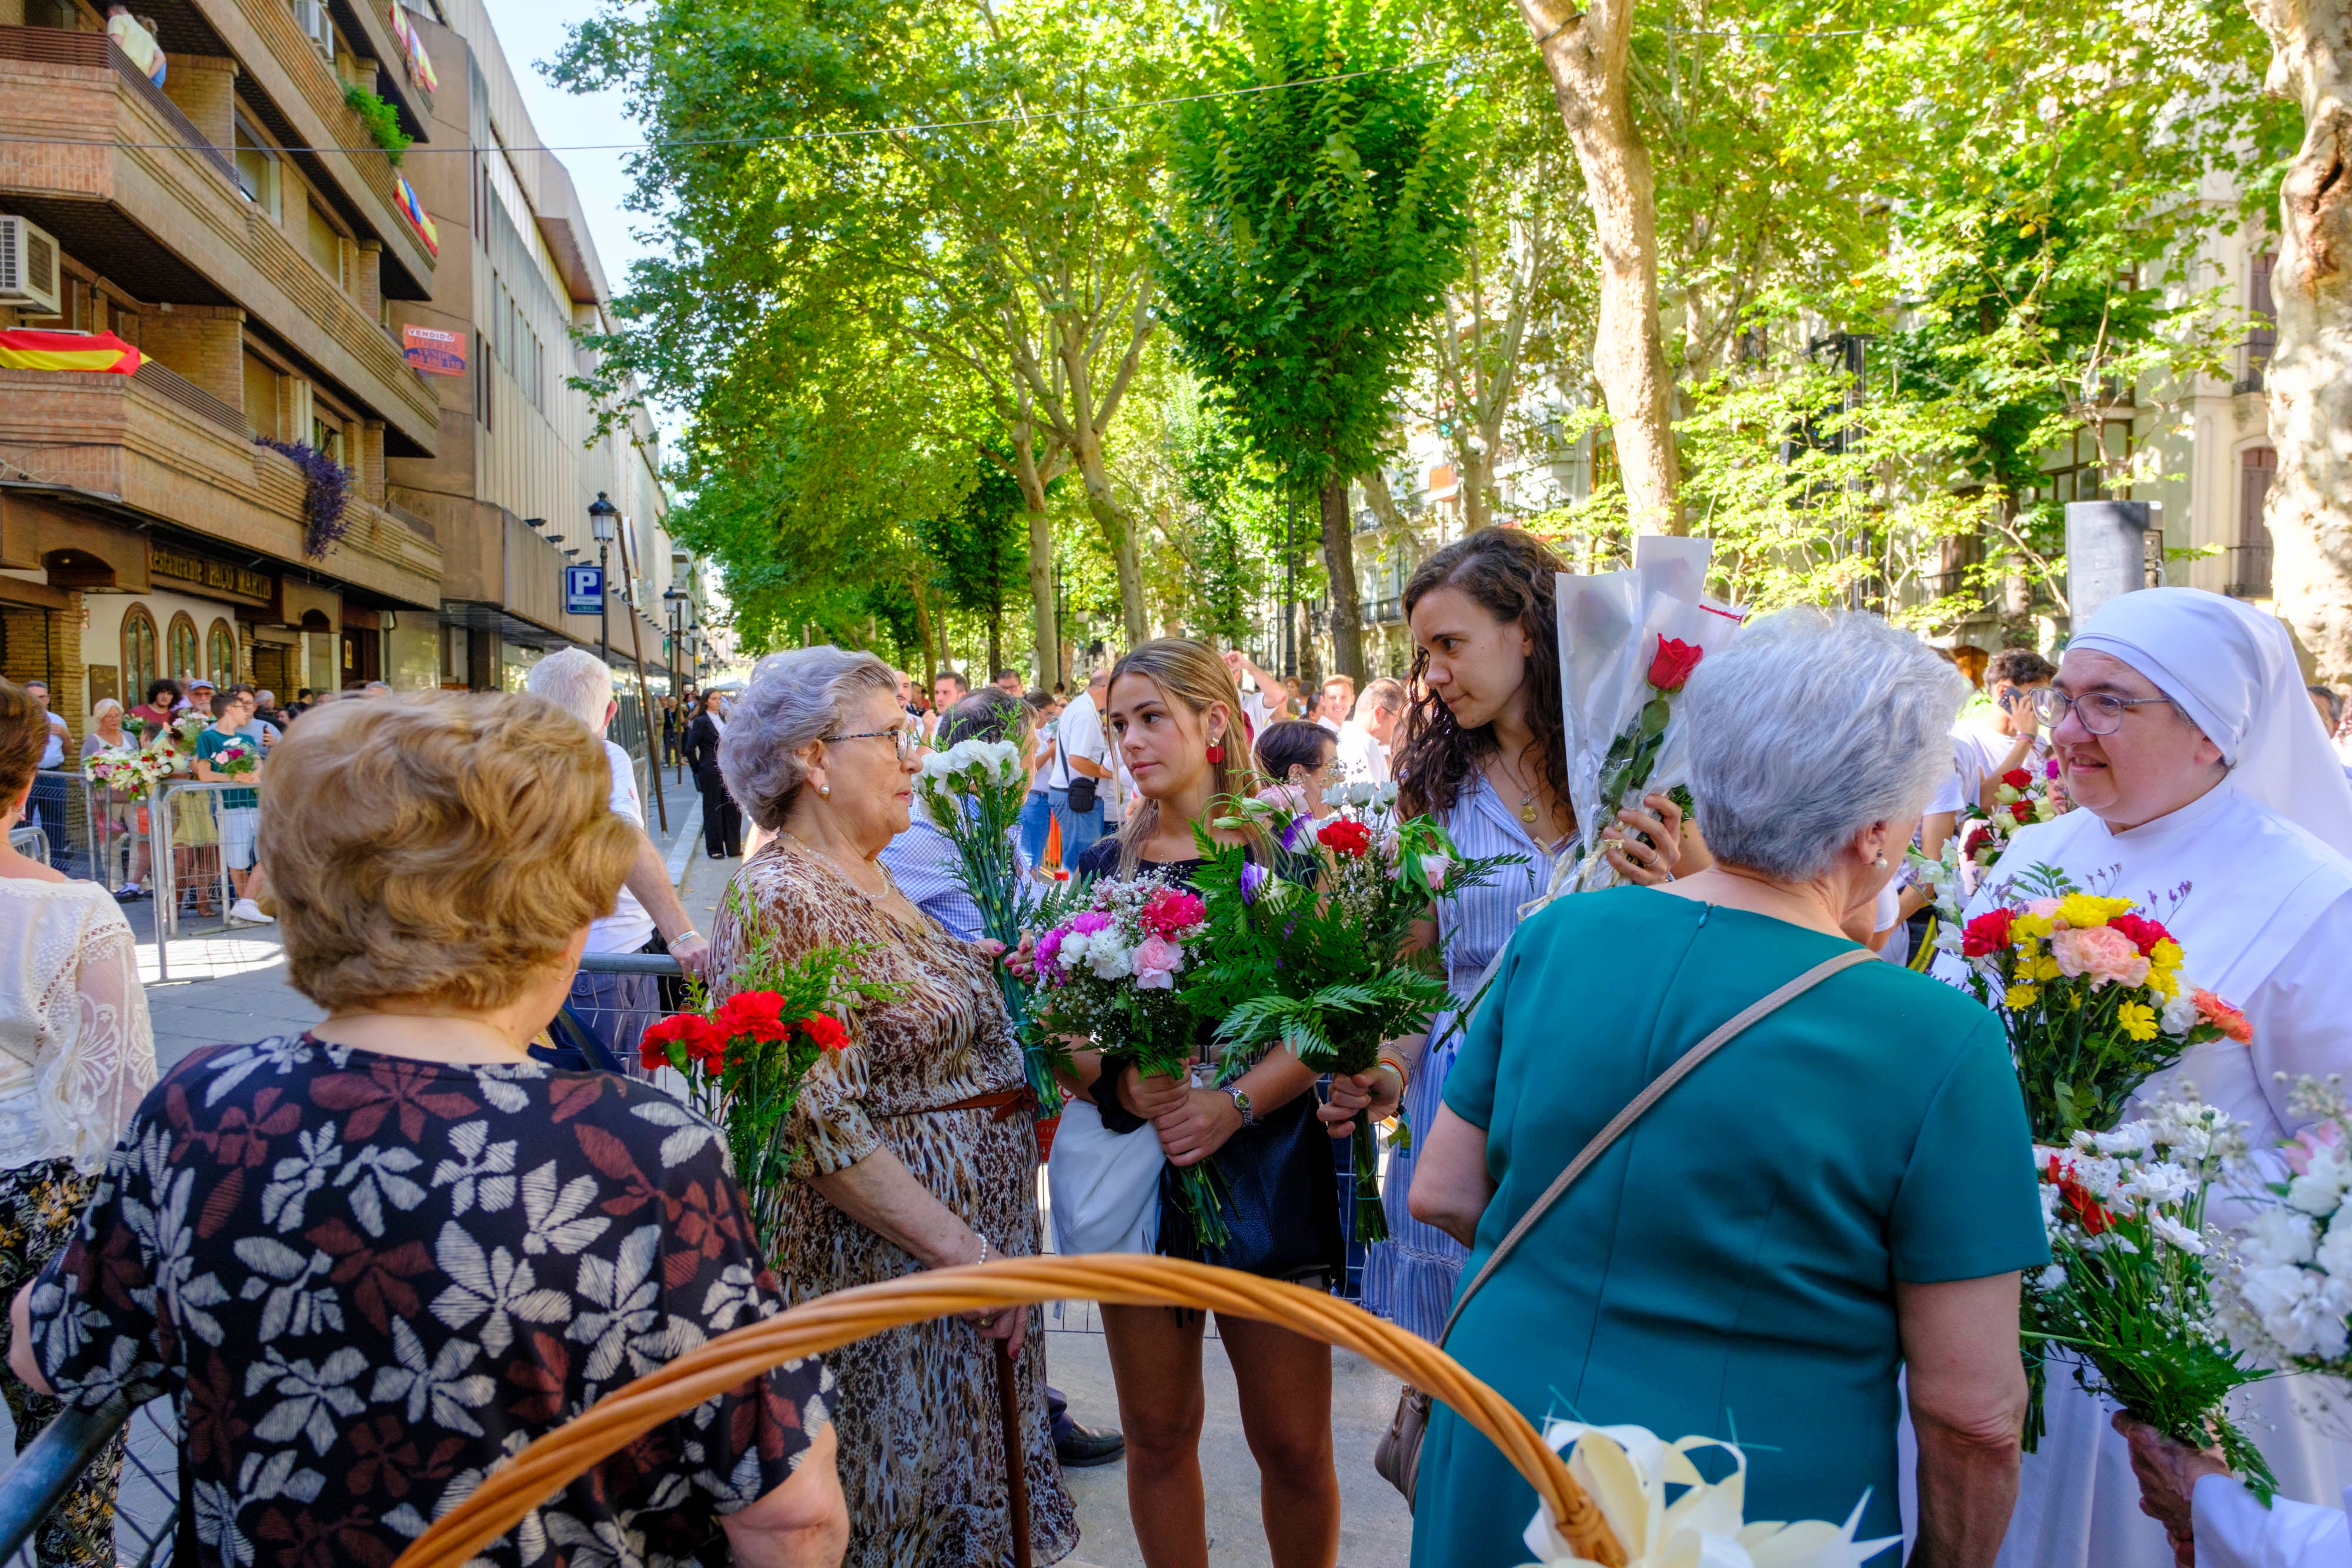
{"x":702,"y":748}
{"x":367,"y":1280}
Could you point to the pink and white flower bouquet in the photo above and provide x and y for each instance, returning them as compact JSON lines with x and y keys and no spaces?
{"x":132,"y":775}
{"x":238,"y":755}
{"x":1105,"y":970}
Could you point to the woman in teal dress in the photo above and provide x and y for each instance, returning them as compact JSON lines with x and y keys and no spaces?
{"x":1846,"y":1183}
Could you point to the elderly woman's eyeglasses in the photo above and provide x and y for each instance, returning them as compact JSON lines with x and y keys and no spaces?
{"x":902,"y":735}
{"x":2102,"y":713}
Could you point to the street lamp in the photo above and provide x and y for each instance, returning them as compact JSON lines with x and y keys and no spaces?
{"x":600,"y":524}
{"x":677,"y":598}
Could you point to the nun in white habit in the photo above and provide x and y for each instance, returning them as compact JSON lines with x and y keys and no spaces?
{"x":2198,"y":767}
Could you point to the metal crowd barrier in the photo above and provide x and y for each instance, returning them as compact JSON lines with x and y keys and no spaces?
{"x":195,"y":838}
{"x":30,"y":841}
{"x":147,"y":1510}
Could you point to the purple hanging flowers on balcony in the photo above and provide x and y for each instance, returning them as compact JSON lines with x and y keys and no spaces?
{"x":323,"y":503}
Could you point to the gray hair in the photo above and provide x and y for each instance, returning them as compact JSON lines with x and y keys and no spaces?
{"x":989,"y":714}
{"x":791,"y":699}
{"x":576,"y":680}
{"x":1810,"y":728}
{"x":1387,"y":694}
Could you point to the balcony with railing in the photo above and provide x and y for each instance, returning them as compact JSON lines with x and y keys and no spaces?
{"x":157,"y":443}
{"x":127,"y":184}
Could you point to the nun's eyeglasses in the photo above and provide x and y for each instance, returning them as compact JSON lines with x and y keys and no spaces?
{"x":2102,"y":713}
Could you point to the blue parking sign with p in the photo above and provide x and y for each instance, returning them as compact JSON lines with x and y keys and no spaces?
{"x":584,"y":589}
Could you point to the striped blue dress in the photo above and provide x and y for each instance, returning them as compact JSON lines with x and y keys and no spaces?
{"x":1409,"y":1279}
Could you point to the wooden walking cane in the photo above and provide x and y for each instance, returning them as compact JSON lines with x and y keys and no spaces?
{"x":1016,"y":1451}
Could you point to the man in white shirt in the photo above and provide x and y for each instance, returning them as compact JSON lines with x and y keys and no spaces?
{"x":1081,"y":752}
{"x":1365,"y":739}
{"x":50,"y":797}
{"x":2013,"y":739}
{"x":948,"y":688}
{"x":1338,"y":701}
{"x":617,"y":1008}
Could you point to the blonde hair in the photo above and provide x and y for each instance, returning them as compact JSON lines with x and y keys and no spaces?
{"x":1193,"y":675}
{"x":447,"y":845}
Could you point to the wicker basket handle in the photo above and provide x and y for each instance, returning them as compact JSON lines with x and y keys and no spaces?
{"x":828,"y":1322}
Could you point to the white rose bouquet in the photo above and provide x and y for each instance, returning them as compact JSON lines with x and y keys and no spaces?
{"x":2290,"y":1295}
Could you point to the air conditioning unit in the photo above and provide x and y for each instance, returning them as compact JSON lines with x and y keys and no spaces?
{"x":311,"y":17}
{"x":29,"y":268}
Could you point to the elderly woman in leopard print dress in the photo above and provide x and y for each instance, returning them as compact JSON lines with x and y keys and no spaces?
{"x":918,"y":1145}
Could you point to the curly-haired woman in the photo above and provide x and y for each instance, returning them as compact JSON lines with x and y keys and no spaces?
{"x":1483,"y":751}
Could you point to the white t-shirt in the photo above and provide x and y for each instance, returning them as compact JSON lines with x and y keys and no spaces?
{"x":1079,"y":733}
{"x":628,"y":927}
{"x":53,"y":754}
{"x":1362,"y":759}
{"x":1327,"y":722}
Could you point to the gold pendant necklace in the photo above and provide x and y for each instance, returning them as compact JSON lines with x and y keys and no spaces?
{"x":1528,"y":808}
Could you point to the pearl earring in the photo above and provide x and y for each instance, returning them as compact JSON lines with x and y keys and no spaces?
{"x":1880,"y":863}
{"x":825,"y":792}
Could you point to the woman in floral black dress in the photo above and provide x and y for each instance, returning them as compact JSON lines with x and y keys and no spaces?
{"x":371,"y":1262}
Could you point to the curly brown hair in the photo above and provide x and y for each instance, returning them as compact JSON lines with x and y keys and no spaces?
{"x":1511,"y":576}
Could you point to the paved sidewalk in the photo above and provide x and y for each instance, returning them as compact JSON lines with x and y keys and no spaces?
{"x":231,"y":987}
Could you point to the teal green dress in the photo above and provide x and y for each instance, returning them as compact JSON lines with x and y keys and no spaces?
{"x":1727,"y":1269}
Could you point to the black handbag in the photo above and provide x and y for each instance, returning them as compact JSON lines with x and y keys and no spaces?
{"x":1282,"y":1200}
{"x":1082,"y":793}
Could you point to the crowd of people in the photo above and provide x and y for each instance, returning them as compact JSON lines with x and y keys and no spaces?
{"x":371,"y":1260}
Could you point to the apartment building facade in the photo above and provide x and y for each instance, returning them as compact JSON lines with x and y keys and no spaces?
{"x":240,"y":225}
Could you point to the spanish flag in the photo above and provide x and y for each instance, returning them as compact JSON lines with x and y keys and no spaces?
{"x":25,"y":348}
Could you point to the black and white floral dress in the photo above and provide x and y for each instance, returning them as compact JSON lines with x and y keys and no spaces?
{"x":368,"y":1281}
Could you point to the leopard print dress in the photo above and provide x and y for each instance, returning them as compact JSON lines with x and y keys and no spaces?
{"x":922,"y":1459}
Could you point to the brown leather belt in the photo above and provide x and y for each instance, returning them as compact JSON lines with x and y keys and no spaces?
{"x":1006,"y":1103}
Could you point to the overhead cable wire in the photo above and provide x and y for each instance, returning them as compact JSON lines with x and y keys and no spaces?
{"x":920,"y":127}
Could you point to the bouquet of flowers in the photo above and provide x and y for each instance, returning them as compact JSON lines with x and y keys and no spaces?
{"x":1329,"y":976}
{"x":130,"y":774}
{"x":238,"y":755}
{"x":2091,"y":991}
{"x":973,"y":793}
{"x":2291,"y":1294}
{"x":2129,"y":1295}
{"x":744,"y":1059}
{"x":2022,"y":797}
{"x":1628,"y":641}
{"x":174,"y":745}
{"x":1105,"y":968}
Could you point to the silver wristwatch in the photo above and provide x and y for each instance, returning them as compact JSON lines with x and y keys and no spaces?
{"x":1242,"y":1102}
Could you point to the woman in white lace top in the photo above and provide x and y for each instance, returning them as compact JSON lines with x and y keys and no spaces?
{"x":77,"y":1054}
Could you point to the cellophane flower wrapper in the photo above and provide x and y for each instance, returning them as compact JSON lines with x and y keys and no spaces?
{"x":2130,"y":1297}
{"x":1324,"y":970}
{"x":1107,"y":968}
{"x":973,"y":791}
{"x":745,"y":1057}
{"x":1628,"y":641}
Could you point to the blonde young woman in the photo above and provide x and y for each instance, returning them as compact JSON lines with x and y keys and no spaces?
{"x":1174,"y":715}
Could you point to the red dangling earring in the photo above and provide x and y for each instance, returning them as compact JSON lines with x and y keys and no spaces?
{"x":1216,"y":751}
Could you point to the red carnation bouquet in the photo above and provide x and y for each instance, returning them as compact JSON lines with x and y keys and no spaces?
{"x":745,"y":1059}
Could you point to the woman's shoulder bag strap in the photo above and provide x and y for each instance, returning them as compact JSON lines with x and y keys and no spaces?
{"x":1739,"y":1023}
